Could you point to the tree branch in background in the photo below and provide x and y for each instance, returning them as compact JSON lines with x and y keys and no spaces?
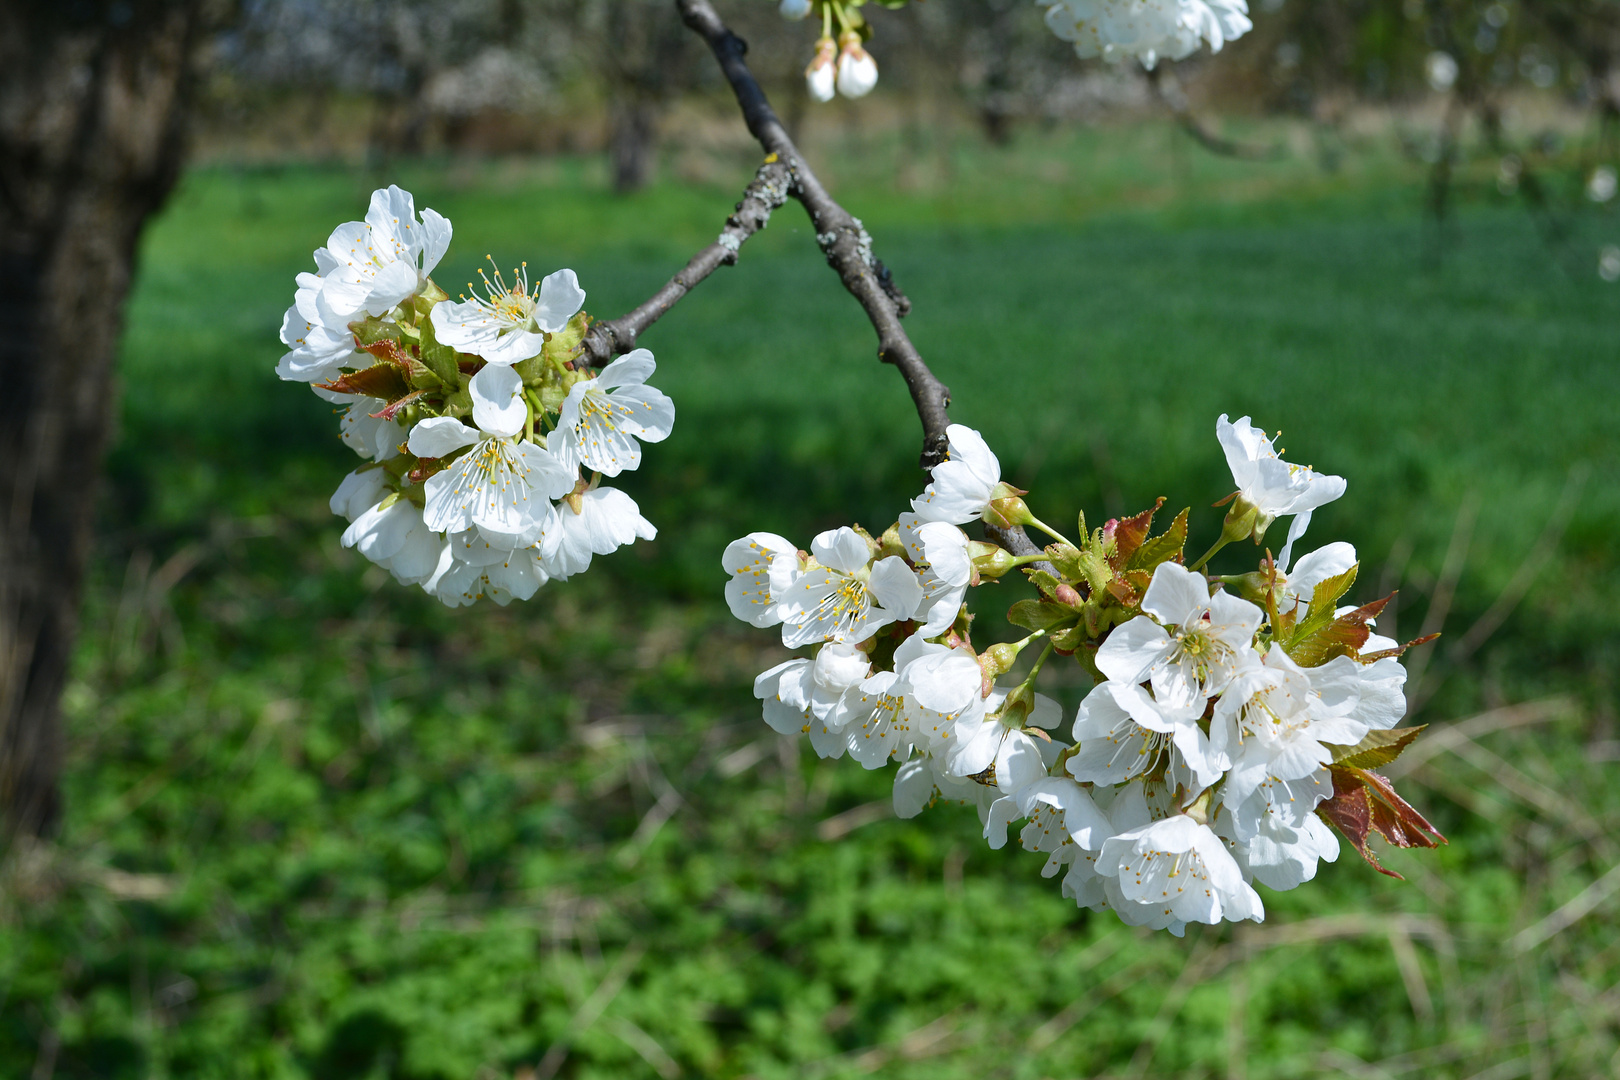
{"x":767,"y":192}
{"x":1168,"y":89}
{"x":843,"y":240}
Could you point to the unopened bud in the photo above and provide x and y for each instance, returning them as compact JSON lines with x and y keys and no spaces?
{"x":1067,"y":594}
{"x":1250,"y":586}
{"x":857,"y":71}
{"x":1006,"y":512}
{"x":822,"y":74}
{"x":794,"y":9}
{"x":989,"y":560}
{"x":1244,"y":520}
{"x":997,"y":660}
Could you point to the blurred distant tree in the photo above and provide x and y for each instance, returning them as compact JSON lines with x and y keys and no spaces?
{"x":94,"y":96}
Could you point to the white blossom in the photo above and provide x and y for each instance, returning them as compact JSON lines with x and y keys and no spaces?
{"x":939,"y":552}
{"x":762,"y":565}
{"x":604,"y":520}
{"x":1279,"y":857}
{"x":509,"y":324}
{"x":1212,"y":633}
{"x":500,"y":486}
{"x":316,"y":353}
{"x":1148,"y":30}
{"x":359,"y":492}
{"x":1273,"y":486}
{"x":367,"y":435}
{"x":1180,"y":868}
{"x":964,"y":483}
{"x":602,"y":418}
{"x":393,"y":535}
{"x":846,"y":597}
{"x":985,"y":742}
{"x":918,"y":704}
{"x":794,"y":9}
{"x":805,"y":695}
{"x":1298,"y":585}
{"x":370,"y":266}
{"x":1122,"y":733}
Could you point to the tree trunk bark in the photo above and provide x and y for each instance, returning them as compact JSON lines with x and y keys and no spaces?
{"x":91,"y":105}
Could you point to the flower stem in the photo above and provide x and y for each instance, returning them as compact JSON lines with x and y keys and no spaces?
{"x":1049,"y":531}
{"x":1210,"y":554}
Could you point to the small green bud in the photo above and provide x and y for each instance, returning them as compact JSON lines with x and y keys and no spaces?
{"x":997,"y":660}
{"x":1006,"y":512}
{"x":990,"y":561}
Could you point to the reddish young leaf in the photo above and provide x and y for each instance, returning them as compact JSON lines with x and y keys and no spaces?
{"x":391,"y":410}
{"x":1166,"y":546}
{"x":1367,"y":658}
{"x":1394,"y":817}
{"x":389,"y":351}
{"x":1349,"y":812}
{"x":1122,"y":536}
{"x":383,"y":381}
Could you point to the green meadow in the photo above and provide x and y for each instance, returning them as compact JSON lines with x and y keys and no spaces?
{"x":319,"y":826}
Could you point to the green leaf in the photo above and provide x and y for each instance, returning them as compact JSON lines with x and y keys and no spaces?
{"x":1162,"y":548}
{"x":1379,"y":748}
{"x":439,"y":359}
{"x":1041,"y":614}
{"x":1324,"y":599}
{"x":1066,"y":558}
{"x":1094,"y":570}
{"x":1046,"y":583}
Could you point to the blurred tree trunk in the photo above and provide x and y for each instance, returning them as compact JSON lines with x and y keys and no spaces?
{"x":91,"y":101}
{"x":646,"y":44}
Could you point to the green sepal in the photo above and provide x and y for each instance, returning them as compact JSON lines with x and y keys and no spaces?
{"x":563,"y":346}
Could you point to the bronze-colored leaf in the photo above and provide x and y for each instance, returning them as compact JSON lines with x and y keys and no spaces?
{"x":384,"y":381}
{"x":1166,"y":546}
{"x":1123,"y":536}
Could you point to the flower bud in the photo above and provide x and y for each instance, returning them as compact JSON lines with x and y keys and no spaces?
{"x":997,"y":660}
{"x":857,"y":71}
{"x":1006,"y":512}
{"x":1067,"y":594}
{"x":1244,"y":520}
{"x":794,"y":9}
{"x":989,"y":560}
{"x":820,"y":76}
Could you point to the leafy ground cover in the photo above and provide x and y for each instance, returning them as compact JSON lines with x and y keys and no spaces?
{"x":320,"y":827}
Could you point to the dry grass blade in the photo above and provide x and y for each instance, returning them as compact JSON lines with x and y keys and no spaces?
{"x":1569,"y":913}
{"x":1445,"y":590}
{"x":1442,"y":737}
{"x":847,"y":822}
{"x":1518,"y":586}
{"x":645,"y":1045}
{"x":590,"y":1010}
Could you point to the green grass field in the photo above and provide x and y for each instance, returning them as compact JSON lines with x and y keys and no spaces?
{"x":321,"y":827}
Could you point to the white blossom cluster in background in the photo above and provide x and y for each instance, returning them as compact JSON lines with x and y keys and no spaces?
{"x":1115,"y":30}
{"x":1146,"y":30}
{"x":1232,"y":720}
{"x":485,"y":435}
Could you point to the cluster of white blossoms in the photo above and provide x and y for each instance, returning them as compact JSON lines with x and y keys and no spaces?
{"x":485,"y":433}
{"x":841,"y":65}
{"x":1147,"y":30}
{"x":1232,"y":721}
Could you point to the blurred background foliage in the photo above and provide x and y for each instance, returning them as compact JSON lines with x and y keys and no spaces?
{"x":319,"y":826}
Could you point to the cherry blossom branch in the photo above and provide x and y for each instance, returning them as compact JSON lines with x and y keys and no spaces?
{"x":839,"y":233}
{"x":768,"y":191}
